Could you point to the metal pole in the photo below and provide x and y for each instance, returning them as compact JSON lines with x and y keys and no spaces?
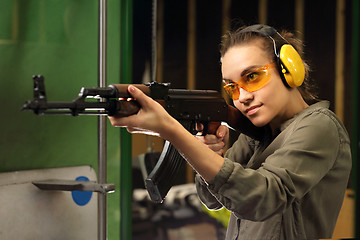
{"x":102,"y":145}
{"x":125,"y":137}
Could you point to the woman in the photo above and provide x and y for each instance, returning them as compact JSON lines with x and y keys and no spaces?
{"x":288,"y":184}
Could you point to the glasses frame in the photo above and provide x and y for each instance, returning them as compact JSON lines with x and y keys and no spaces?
{"x":233,"y":88}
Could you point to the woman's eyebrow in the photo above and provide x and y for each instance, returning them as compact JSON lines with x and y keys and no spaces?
{"x":246,"y":70}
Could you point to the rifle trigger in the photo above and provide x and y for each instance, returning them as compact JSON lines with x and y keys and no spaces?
{"x":205,"y":130}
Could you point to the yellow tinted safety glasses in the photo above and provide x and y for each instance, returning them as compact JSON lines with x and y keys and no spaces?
{"x":251,"y":80}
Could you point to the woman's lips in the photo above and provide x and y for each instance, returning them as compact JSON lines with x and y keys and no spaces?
{"x":252,"y":110}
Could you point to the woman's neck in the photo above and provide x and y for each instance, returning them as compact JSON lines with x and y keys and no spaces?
{"x":295,"y":105}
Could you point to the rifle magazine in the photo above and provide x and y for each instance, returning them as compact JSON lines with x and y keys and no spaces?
{"x":162,"y":177}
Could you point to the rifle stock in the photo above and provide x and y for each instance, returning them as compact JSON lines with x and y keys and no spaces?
{"x":187,"y":106}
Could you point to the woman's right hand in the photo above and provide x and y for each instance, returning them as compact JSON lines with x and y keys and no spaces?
{"x":153,"y":118}
{"x":218,"y":141}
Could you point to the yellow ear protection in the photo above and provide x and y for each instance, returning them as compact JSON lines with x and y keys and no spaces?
{"x":290,"y":64}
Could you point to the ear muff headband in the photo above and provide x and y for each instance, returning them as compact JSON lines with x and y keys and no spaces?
{"x":291,"y":66}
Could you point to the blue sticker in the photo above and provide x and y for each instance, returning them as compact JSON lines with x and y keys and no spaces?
{"x":81,"y":198}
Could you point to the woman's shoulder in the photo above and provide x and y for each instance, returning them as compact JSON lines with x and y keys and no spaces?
{"x":319,"y":117}
{"x":321,"y":112}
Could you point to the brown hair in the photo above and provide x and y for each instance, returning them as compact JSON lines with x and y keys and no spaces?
{"x":230,"y":39}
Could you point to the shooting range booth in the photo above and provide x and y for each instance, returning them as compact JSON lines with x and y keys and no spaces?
{"x":58,"y":174}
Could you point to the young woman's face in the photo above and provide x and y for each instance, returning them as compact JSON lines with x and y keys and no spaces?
{"x":267,"y":104}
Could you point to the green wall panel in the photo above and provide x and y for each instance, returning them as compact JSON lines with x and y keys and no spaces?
{"x":58,"y":39}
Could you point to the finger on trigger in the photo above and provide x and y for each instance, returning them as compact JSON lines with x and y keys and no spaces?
{"x":221,"y":131}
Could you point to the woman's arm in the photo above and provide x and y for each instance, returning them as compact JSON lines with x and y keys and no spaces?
{"x":153,"y":118}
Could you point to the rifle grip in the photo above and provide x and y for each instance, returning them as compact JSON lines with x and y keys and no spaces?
{"x":211,"y":128}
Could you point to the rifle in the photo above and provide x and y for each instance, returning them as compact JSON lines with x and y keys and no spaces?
{"x":187,"y":106}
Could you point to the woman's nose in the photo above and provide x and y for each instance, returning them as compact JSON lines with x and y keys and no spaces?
{"x":245,"y":96}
